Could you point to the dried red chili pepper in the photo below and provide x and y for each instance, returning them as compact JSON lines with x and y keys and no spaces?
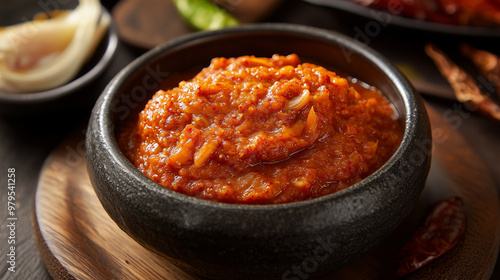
{"x":487,"y":63}
{"x":464,"y":86}
{"x":438,"y":234}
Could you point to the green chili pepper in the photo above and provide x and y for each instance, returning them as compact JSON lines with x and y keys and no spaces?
{"x":204,"y":15}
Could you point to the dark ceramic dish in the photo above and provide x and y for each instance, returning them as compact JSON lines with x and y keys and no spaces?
{"x":225,"y":241}
{"x":72,"y":93}
{"x":410,"y":23}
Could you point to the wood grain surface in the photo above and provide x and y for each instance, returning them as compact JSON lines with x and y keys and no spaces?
{"x":77,"y":240}
{"x":149,"y":23}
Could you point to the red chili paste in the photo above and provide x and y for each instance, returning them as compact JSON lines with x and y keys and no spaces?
{"x":254,"y":130}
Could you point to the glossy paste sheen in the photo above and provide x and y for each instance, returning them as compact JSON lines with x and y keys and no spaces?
{"x":253,"y":130}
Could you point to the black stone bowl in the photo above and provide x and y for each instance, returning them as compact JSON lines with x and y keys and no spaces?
{"x":287,"y":241}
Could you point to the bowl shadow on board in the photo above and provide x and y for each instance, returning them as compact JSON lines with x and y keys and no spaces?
{"x":223,"y":241}
{"x":81,"y":90}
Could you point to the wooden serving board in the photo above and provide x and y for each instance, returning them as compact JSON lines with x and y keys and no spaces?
{"x":78,"y":240}
{"x":149,"y":23}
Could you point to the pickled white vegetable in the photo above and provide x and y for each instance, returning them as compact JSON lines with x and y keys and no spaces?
{"x":48,"y":52}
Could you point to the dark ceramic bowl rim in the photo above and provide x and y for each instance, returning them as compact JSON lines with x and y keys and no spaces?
{"x":76,"y":83}
{"x":105,"y":111}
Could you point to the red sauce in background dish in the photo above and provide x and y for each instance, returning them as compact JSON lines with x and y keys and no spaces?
{"x":252,"y":130}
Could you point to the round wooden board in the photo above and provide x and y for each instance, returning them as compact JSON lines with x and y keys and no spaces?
{"x":78,"y":240}
{"x":149,"y":23}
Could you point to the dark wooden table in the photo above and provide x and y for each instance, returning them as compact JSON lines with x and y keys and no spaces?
{"x":25,"y":142}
